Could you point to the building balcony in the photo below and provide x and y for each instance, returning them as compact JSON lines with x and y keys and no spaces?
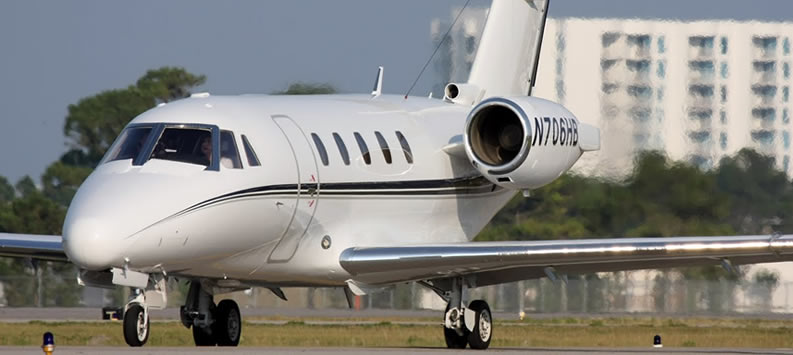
{"x":763,"y":101}
{"x":614,"y":73}
{"x":764,"y":78}
{"x":700,"y":53}
{"x":610,"y":110}
{"x":764,"y":48}
{"x":700,"y":47}
{"x":613,"y":45}
{"x":617,"y":96}
{"x":764,"y":54}
{"x":638,"y":52}
{"x":701,"y":150}
{"x":701,"y":104}
{"x":701,"y":78}
{"x":639,"y":45}
{"x":639,"y":77}
{"x":764,"y":95}
{"x":701,"y":142}
{"x":763,"y":140}
{"x":763,"y":118}
{"x":640,"y":114}
{"x":700,"y":118}
{"x":701,"y":124}
{"x":764,"y":148}
{"x":763,"y":125}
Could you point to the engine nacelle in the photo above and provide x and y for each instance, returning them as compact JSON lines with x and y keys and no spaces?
{"x":525,"y":142}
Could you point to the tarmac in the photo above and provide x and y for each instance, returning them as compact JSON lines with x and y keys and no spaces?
{"x":69,"y":350}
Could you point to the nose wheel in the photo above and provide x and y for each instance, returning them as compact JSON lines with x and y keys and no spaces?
{"x":136,"y":325}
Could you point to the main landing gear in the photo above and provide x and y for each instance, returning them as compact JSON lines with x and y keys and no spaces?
{"x":466,"y":326}
{"x":212,"y":324}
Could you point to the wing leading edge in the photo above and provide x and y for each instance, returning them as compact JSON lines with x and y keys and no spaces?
{"x":45,"y":247}
{"x":488,"y":263}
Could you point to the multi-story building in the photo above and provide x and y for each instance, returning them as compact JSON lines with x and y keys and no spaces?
{"x":696,"y":90}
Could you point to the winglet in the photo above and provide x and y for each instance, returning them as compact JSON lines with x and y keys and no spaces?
{"x":378,"y":83}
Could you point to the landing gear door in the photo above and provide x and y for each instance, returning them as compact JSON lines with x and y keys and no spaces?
{"x":307,"y":189}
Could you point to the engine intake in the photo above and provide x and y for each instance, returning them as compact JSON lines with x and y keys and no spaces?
{"x":524,"y":142}
{"x":496,"y":134}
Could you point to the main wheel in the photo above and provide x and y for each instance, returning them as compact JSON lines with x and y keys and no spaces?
{"x":480,"y":337}
{"x":203,"y":336}
{"x":228,"y":323}
{"x":136,"y":326}
{"x":454,"y":340}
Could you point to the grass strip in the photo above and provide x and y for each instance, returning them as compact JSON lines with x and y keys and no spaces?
{"x":585,"y":333}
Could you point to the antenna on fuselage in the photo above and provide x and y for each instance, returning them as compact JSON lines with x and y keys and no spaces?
{"x":378,"y":83}
{"x":443,"y":39}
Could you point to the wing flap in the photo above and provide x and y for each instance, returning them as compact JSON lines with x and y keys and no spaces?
{"x":525,"y":260}
{"x":45,"y":247}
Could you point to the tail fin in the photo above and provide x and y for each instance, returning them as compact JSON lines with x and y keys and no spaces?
{"x":509,"y":51}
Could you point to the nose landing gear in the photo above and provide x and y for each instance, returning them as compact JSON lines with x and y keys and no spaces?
{"x":136,"y":325}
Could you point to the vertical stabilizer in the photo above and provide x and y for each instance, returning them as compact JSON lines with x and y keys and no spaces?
{"x":509,"y":51}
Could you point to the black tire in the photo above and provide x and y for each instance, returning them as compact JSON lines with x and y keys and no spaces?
{"x":454,"y":340}
{"x":228,"y":323}
{"x":480,"y":337}
{"x":203,"y":336}
{"x":136,"y":328}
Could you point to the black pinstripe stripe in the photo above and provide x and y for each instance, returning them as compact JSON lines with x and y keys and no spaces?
{"x":463,"y":186}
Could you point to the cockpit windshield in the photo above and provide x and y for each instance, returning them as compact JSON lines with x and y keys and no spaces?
{"x":186,"y":145}
{"x":129,"y":145}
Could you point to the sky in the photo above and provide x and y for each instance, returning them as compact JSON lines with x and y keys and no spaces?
{"x":52,"y":53}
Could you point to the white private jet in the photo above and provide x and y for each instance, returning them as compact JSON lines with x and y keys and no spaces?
{"x":352,"y":191}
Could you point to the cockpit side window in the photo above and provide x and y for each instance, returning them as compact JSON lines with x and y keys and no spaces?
{"x":186,"y":145}
{"x":129,"y":144}
{"x":229,"y":155}
{"x":253,"y":160}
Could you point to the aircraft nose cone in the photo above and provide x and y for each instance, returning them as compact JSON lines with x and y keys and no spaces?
{"x":88,"y":244}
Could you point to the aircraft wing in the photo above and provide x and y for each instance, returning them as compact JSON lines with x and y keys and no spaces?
{"x":488,"y":263}
{"x":45,"y":247}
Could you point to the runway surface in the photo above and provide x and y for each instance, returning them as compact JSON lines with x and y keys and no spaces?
{"x":390,"y":351}
{"x":58,"y":314}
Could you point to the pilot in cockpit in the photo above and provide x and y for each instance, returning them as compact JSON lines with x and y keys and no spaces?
{"x":226,"y":152}
{"x":206,"y":148}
